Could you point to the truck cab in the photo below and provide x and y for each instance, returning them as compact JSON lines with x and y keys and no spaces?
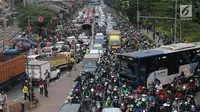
{"x":114,"y":39}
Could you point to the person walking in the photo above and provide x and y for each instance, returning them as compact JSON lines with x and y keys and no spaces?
{"x":1,"y":102}
{"x":45,"y":89}
{"x":4,"y":96}
{"x":41,"y":85}
{"x":47,"y":74}
{"x":25,"y":91}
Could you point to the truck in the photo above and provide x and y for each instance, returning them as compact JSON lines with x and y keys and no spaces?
{"x":90,"y":63}
{"x":12,"y":70}
{"x":114,"y":39}
{"x":37,"y":69}
{"x":61,"y":60}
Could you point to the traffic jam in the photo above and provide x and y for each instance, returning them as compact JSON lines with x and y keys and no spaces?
{"x":125,"y":72}
{"x":121,"y":69}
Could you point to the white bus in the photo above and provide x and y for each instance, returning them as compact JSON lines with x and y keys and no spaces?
{"x":164,"y":63}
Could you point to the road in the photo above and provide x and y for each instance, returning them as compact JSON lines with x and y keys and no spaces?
{"x":56,"y":99}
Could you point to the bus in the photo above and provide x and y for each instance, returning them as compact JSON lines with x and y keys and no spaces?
{"x":164,"y":63}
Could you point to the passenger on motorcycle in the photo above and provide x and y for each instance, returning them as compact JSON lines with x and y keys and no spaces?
{"x":108,"y":103}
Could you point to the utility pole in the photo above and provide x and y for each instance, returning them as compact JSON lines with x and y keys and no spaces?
{"x":138,"y":15}
{"x":4,"y":15}
{"x":175,"y":20}
{"x":24,"y":1}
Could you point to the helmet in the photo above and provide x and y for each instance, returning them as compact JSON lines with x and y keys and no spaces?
{"x":76,"y":90}
{"x":108,"y":99}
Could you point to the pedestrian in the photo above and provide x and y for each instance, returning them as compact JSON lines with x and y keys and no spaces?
{"x":45,"y":89}
{"x":1,"y":102}
{"x":41,"y":85}
{"x":4,"y":96}
{"x":25,"y":91}
{"x":47,"y":74}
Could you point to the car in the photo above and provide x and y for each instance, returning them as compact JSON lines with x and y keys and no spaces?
{"x":99,"y":39}
{"x":90,"y":63}
{"x":98,"y":47}
{"x":59,"y":45}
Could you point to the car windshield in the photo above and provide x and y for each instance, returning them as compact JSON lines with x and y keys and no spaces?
{"x":99,"y":41}
{"x":98,"y":48}
{"x":114,"y":43}
{"x":89,"y":64}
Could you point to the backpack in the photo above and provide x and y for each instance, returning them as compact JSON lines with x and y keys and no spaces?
{"x":25,"y":89}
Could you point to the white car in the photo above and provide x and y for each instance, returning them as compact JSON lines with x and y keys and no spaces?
{"x":59,"y":45}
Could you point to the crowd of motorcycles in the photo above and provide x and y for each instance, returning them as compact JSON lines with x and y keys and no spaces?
{"x":106,"y":89}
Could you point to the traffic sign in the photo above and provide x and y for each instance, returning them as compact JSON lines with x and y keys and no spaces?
{"x":186,"y":12}
{"x":28,"y":28}
{"x":40,"y":19}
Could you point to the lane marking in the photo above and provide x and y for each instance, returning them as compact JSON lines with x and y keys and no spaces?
{"x":15,"y":100}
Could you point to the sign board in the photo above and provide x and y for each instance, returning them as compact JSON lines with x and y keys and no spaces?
{"x":28,"y":28}
{"x":186,"y":12}
{"x":40,"y":19}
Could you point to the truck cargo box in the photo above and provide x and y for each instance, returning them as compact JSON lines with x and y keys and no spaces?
{"x":11,"y":66}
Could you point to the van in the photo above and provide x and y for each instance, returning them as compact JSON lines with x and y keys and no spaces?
{"x":111,"y":110}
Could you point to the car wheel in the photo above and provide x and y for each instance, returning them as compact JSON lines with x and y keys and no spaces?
{"x":58,"y":75}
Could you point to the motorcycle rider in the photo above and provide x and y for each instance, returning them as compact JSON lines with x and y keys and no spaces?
{"x":108,"y":103}
{"x":124,"y":90}
{"x":176,"y":105}
{"x":191,"y":87}
{"x":75,"y":99}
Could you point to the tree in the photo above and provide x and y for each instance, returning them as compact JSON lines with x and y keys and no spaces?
{"x":163,"y":8}
{"x":31,"y":13}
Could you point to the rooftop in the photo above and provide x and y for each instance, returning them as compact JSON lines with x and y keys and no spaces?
{"x":163,"y":50}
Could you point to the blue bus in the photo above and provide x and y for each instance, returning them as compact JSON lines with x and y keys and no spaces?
{"x":164,"y":63}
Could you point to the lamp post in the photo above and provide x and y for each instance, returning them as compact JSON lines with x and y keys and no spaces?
{"x":138,"y":15}
{"x":175,"y":20}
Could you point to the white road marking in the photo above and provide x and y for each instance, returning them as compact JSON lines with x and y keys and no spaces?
{"x":15,"y":100}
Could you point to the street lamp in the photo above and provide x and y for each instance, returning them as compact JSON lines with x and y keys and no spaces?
{"x":138,"y":15}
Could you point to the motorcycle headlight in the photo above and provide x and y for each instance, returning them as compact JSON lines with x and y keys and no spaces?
{"x":184,"y":87}
{"x":115,"y":97}
{"x":92,"y":90}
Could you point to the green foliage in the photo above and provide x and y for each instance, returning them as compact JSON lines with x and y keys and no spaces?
{"x":32,"y":12}
{"x":163,"y":8}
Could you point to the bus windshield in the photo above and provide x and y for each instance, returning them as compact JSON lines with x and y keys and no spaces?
{"x":128,"y":67}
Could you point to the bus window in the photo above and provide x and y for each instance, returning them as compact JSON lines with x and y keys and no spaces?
{"x":173,"y":64}
{"x":128,"y":68}
{"x":162,"y":62}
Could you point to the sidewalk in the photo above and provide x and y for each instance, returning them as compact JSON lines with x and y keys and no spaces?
{"x":58,"y":93}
